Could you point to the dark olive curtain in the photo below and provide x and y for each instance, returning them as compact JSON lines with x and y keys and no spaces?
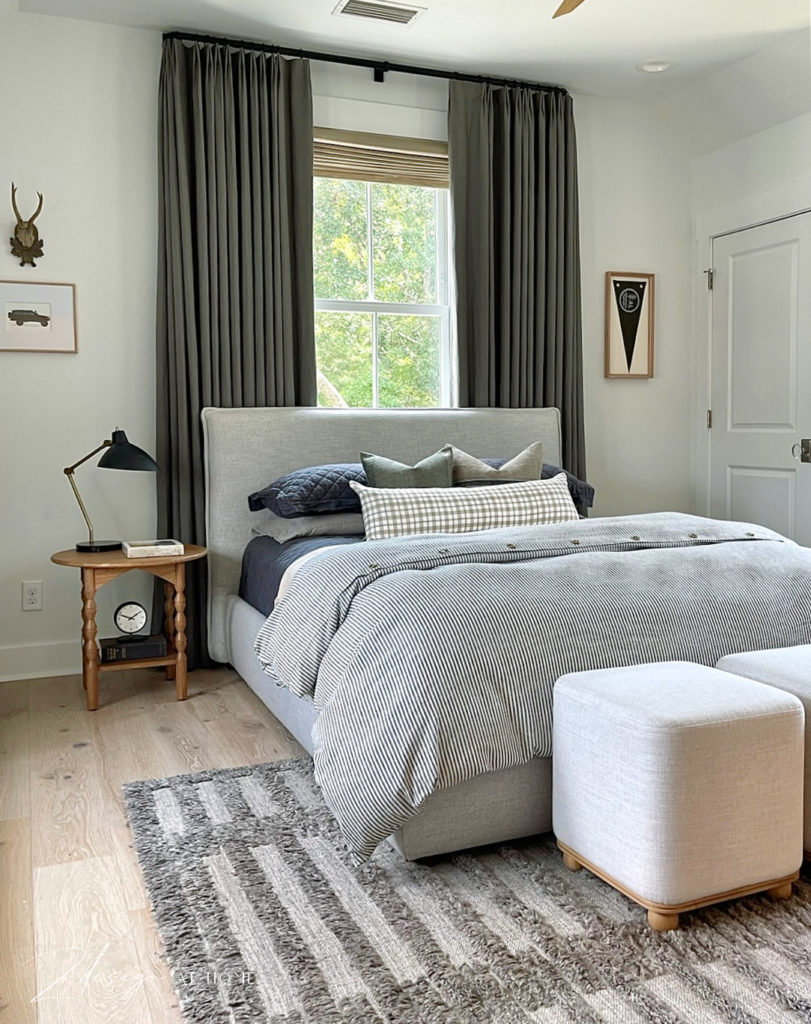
{"x":235,"y":273}
{"x":513,"y":173}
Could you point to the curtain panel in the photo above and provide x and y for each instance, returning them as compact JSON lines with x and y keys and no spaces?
{"x":235,"y":274}
{"x":513,"y":174}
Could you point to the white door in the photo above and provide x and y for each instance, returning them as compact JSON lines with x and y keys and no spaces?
{"x":761,"y":377}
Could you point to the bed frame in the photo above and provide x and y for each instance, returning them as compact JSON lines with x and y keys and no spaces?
{"x":247,"y":448}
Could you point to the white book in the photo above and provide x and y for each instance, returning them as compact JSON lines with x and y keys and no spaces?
{"x":152,"y":548}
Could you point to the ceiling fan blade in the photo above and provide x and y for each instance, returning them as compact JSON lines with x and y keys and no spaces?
{"x":567,"y":7}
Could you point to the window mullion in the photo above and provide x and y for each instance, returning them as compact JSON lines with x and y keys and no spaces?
{"x":371,"y":261}
{"x":370,"y":243}
{"x":441,"y":203}
{"x":361,"y":306}
{"x":445,"y":376}
{"x":441,"y":246}
{"x":375,"y":361}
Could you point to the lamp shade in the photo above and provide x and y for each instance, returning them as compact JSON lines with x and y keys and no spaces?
{"x":123,"y":455}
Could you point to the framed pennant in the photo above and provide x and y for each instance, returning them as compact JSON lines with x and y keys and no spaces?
{"x":629,"y":324}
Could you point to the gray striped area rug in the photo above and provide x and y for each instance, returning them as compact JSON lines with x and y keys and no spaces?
{"x":265,"y":921}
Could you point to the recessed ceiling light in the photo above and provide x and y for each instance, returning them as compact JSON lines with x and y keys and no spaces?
{"x":656,"y":67}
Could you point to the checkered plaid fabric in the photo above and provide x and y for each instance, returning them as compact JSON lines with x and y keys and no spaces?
{"x":395,"y":512}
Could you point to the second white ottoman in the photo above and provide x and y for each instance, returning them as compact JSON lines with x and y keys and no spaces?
{"x":787,"y":668}
{"x":678,"y":784}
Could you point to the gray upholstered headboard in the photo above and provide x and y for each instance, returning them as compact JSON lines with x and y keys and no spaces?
{"x":247,"y":448}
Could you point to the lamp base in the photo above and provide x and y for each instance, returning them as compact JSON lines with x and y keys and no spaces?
{"x":99,"y":545}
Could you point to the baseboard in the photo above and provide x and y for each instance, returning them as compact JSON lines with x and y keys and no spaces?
{"x":35,"y":661}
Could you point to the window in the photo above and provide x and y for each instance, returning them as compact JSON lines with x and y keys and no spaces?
{"x":382,"y":314}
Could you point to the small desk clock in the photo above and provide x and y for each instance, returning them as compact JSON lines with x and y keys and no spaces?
{"x":129,"y":618}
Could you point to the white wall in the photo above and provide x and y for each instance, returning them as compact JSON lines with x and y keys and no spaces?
{"x":348,"y":98}
{"x":634,"y":216}
{"x":78,"y":124}
{"x":776,"y":161}
{"x":768,"y":88}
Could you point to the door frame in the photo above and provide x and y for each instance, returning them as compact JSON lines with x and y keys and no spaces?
{"x":748,"y":212}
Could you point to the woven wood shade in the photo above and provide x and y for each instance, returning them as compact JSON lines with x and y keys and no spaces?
{"x":363,"y":156}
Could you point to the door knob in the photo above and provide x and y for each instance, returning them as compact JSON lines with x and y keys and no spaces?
{"x":802,"y":450}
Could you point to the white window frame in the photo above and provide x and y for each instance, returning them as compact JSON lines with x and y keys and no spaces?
{"x":441,"y":308}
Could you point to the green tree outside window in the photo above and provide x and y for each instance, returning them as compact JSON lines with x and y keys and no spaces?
{"x":382,"y":317}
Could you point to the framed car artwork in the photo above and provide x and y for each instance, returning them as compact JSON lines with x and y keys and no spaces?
{"x":37,"y":317}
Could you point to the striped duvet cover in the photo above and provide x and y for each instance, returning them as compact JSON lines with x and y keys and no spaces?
{"x":431,"y":659}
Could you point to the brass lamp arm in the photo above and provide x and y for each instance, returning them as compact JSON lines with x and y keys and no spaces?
{"x":69,"y":470}
{"x":104,"y":444}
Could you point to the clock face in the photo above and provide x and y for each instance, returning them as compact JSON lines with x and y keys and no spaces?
{"x":130,"y":617}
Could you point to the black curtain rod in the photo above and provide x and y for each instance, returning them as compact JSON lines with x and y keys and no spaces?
{"x":379,"y":67}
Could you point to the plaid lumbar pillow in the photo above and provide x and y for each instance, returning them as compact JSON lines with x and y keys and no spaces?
{"x":395,"y":513}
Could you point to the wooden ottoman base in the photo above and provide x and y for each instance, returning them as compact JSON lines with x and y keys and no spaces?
{"x":664,"y":917}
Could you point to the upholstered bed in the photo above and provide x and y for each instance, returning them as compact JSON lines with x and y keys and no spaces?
{"x":247,"y":448}
{"x":418,"y":670}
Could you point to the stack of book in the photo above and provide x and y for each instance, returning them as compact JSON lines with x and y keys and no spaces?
{"x":152,"y":548}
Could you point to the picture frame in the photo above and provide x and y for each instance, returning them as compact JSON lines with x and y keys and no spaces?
{"x":37,"y":316}
{"x":629,"y":319}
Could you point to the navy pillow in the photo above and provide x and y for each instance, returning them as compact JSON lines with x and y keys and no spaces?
{"x":319,"y":490}
{"x":312,"y":491}
{"x":582,"y":493}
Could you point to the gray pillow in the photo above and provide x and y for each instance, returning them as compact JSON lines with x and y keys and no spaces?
{"x":434,"y":471}
{"x":527,"y":465}
{"x":341,"y":524}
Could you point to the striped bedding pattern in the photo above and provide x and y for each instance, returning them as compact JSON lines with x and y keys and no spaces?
{"x":431,"y":659}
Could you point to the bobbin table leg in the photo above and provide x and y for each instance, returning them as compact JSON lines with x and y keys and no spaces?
{"x":180,"y":631}
{"x":169,"y":628}
{"x":90,"y":653}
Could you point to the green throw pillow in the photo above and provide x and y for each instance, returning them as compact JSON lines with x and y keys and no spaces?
{"x":434,"y":471}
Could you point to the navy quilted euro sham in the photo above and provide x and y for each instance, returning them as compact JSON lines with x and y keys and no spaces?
{"x":312,"y":491}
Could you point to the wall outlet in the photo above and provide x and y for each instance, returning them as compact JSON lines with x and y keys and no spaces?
{"x":32,"y":595}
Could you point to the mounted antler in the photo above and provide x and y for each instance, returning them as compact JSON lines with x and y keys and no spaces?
{"x":14,"y":203}
{"x":26,"y":243}
{"x":38,"y":210}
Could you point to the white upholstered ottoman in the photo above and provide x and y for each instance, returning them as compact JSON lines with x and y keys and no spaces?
{"x":678,"y":784}
{"x":789,"y":669}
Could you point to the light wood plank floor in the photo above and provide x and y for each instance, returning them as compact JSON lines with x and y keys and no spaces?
{"x":77,"y":939}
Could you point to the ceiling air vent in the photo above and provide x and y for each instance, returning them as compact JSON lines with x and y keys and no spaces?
{"x":379,"y":10}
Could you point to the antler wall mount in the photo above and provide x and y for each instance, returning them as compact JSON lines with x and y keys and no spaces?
{"x":26,"y":244}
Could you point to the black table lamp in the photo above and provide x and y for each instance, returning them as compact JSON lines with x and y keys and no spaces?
{"x":120,"y":454}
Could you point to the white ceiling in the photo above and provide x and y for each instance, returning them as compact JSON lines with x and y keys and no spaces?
{"x":595,"y":49}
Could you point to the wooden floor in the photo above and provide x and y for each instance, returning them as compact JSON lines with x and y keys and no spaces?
{"x":77,"y":939}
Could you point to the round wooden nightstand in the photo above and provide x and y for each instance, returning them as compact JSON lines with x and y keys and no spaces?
{"x":101,"y":567}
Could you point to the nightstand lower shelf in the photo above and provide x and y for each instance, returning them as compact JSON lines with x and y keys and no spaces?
{"x":119,"y":666}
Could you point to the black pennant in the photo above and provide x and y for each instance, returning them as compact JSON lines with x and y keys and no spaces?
{"x":628,"y":296}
